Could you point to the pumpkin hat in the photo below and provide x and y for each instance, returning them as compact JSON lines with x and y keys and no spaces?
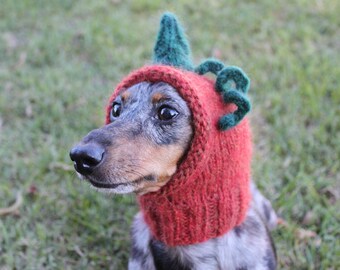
{"x":210,"y":192}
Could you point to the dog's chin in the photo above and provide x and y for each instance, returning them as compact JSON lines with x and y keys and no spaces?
{"x":136,"y":186}
{"x":117,"y":190}
{"x":108,"y":188}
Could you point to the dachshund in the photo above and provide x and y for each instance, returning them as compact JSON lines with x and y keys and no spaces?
{"x":148,"y":136}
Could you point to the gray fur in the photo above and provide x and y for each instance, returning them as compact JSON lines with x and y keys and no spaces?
{"x":264,"y":207}
{"x":139,"y":111}
{"x":121,"y":166}
{"x":247,"y":246}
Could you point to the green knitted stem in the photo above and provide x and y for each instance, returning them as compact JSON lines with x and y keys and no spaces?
{"x":172,"y":47}
{"x":230,"y":95}
{"x":209,"y":65}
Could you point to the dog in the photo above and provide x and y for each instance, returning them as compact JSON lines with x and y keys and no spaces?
{"x":137,"y":152}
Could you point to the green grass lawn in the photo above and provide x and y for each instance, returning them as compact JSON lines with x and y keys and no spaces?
{"x":59,"y":61}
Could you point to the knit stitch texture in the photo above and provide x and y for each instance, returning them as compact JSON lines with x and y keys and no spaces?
{"x":209,"y":194}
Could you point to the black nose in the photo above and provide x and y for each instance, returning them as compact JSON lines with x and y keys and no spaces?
{"x":86,"y":157}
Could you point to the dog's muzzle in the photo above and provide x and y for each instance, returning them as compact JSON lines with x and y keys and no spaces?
{"x":86,"y":157}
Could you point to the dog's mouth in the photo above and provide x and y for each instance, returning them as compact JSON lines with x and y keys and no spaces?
{"x":108,"y":185}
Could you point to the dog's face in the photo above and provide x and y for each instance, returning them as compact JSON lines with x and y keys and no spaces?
{"x":149,"y":133}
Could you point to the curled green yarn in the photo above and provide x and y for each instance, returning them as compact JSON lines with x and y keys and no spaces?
{"x":232,"y":74}
{"x":243,"y":107}
{"x":225,"y":80}
{"x":209,"y":65}
{"x":234,"y":84}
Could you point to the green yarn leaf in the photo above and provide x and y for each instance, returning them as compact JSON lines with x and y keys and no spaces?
{"x":224,"y":83}
{"x":172,"y":47}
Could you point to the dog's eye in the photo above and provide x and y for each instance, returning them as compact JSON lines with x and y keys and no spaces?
{"x":116,"y":109}
{"x":166,"y":113}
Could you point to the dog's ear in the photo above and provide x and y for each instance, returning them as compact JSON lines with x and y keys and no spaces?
{"x":172,"y":48}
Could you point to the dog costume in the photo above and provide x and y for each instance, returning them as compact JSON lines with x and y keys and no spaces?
{"x":210,"y":192}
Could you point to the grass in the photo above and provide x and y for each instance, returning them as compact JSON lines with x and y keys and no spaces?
{"x":59,"y":61}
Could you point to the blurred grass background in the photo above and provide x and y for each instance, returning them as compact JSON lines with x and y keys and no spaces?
{"x":59,"y":61}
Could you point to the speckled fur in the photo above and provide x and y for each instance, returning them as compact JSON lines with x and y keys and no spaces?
{"x":248,"y":246}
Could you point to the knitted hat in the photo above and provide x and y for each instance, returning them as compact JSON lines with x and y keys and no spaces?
{"x":209,"y":194}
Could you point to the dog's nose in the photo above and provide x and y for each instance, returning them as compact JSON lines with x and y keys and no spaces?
{"x":86,"y":157}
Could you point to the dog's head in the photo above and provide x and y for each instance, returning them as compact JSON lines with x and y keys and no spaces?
{"x":154,"y":114}
{"x":139,"y":149}
{"x":169,"y":128}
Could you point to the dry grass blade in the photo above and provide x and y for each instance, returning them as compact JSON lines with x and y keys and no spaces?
{"x":14,"y":208}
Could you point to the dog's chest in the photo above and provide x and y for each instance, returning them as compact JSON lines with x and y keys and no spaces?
{"x":246,"y":247}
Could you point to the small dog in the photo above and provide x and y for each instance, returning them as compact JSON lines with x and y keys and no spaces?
{"x":148,"y":134}
{"x":110,"y":158}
